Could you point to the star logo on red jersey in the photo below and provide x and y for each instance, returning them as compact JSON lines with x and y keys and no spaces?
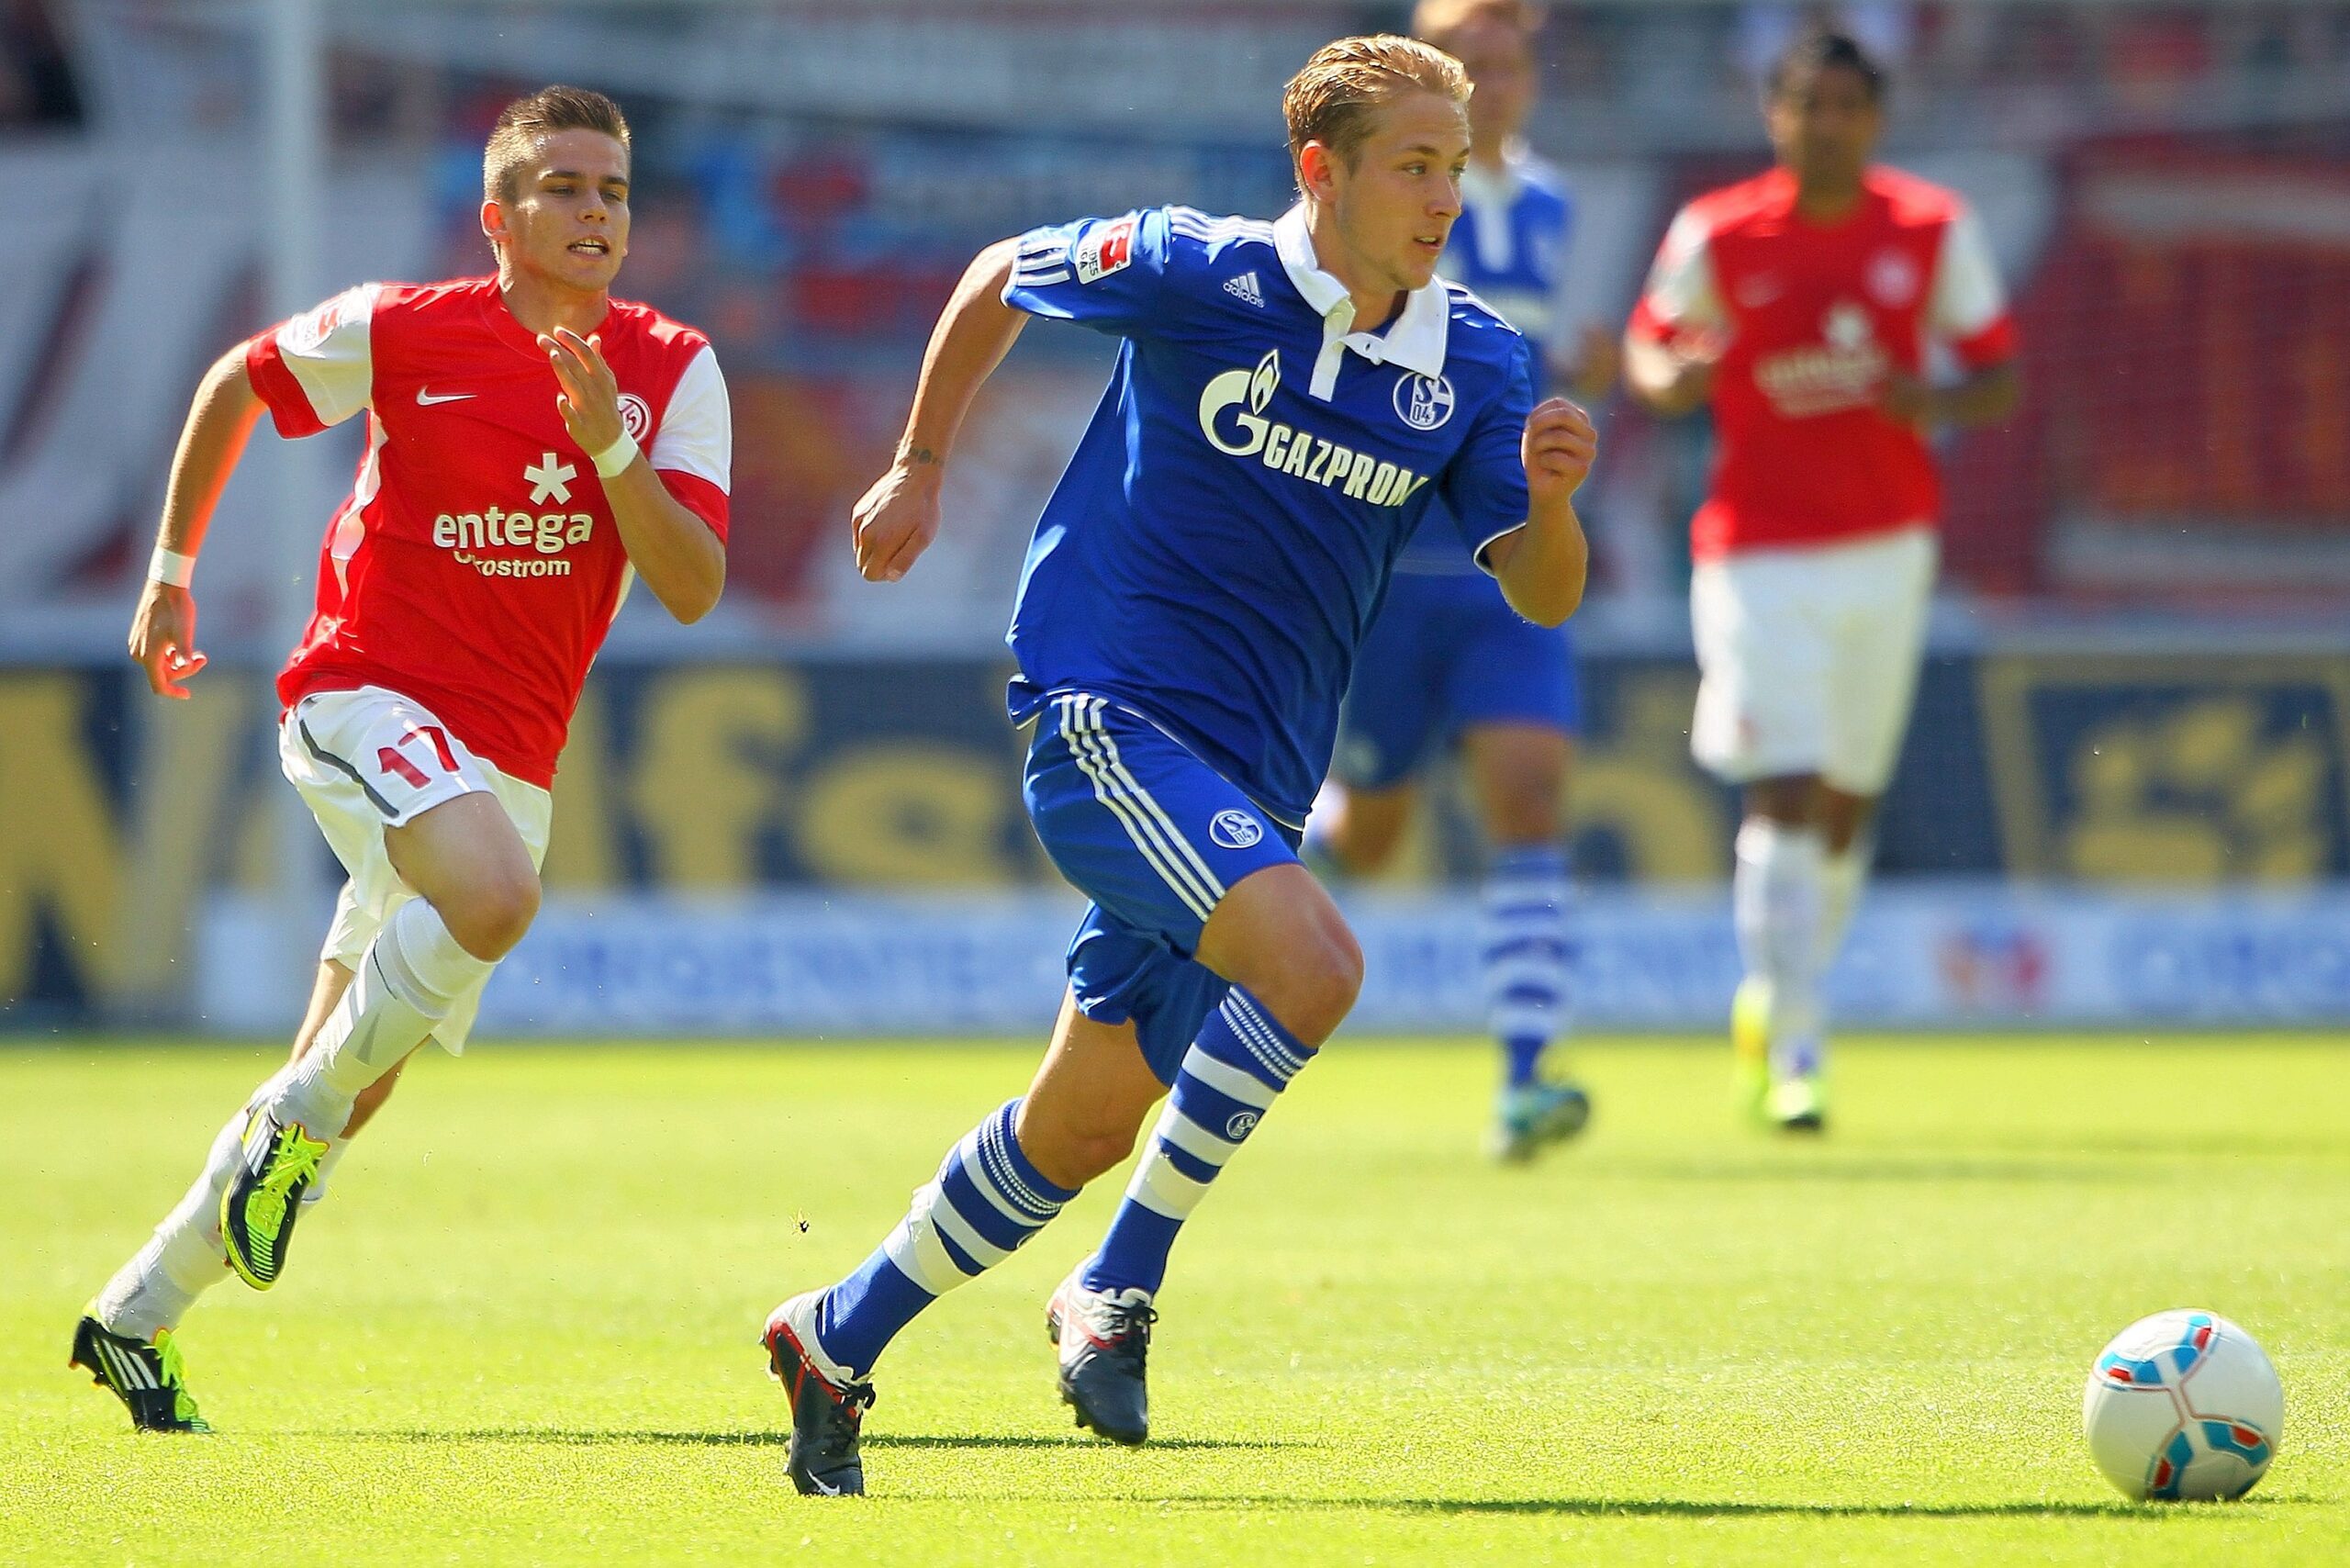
{"x":550,"y":478}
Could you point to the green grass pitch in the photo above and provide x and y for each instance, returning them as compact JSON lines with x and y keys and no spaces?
{"x":522,"y":1330}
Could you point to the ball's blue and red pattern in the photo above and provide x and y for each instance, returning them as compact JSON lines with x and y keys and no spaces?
{"x":2167,"y":1373}
{"x":2124,"y":1371}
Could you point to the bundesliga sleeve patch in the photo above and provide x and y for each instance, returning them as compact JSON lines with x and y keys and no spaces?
{"x":1106,"y":248}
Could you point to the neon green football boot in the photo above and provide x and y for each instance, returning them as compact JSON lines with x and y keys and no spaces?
{"x":258,"y":1211}
{"x":145,"y":1375}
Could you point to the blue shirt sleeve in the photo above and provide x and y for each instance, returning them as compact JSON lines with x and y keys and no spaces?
{"x":1484,"y":485}
{"x":1109,"y":274}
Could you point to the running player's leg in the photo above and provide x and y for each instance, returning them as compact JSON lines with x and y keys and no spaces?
{"x":1510,"y":691}
{"x":1232,"y":961}
{"x":997,"y":1187}
{"x":183,"y":1257}
{"x":477,"y":891}
{"x":146,"y":1287}
{"x":1277,"y":971}
{"x":125,"y":1339}
{"x":1517,"y":775}
{"x":1885,"y":591}
{"x":1156,"y":839}
{"x":1761,"y":722}
{"x":442,"y":883}
{"x":1290,"y":971}
{"x":1848,"y":836}
{"x":438,"y":868}
{"x":1133,"y":1027}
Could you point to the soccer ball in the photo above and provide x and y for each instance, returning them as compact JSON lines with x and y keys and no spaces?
{"x":2183,"y":1405}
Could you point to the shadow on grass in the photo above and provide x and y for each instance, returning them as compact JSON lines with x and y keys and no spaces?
{"x":957,"y":1441}
{"x":565,"y":1436}
{"x":1689,"y":1508}
{"x":1561,"y":1507}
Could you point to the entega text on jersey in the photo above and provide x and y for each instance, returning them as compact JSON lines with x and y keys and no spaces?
{"x":1224,"y":533}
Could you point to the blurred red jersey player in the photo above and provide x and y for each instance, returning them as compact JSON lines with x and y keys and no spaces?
{"x":533,"y":447}
{"x":1802,"y":305}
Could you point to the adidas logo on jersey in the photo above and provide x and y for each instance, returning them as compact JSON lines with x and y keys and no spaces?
{"x":1244,"y":288}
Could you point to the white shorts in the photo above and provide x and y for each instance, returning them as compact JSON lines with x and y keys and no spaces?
{"x":369,"y":759}
{"x":1810,"y":659}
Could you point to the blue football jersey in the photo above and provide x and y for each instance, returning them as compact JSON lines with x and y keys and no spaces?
{"x":1509,"y":244}
{"x":1224,"y":533}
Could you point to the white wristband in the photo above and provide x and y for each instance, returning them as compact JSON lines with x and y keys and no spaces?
{"x":171,"y":566}
{"x":616,"y":457}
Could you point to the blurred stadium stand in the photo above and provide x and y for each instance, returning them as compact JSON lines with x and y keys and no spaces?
{"x":2139,"y":699}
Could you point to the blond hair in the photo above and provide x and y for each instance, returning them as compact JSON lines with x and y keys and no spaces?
{"x":514,"y":140}
{"x":1442,"y":21}
{"x":1332,"y":98}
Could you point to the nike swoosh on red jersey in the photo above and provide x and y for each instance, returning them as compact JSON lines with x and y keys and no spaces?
{"x":428,"y":398}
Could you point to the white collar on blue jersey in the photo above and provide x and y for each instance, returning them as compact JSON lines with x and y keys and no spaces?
{"x":1416,"y":341}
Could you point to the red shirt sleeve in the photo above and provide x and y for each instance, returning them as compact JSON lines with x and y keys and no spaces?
{"x":698,"y":496}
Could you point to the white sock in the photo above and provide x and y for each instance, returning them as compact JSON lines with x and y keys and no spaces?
{"x":185,"y":1257}
{"x":1775,"y":899}
{"x":409,"y":978}
{"x":1842,"y":878}
{"x":405,"y":982}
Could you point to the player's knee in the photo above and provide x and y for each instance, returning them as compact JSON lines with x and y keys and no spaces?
{"x":1074,"y":1154}
{"x":1320,"y":978}
{"x":494,"y":913}
{"x":1093,"y":1153}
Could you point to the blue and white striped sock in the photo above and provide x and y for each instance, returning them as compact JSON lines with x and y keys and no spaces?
{"x":1527,"y":951}
{"x":1240,"y":1062}
{"x":987,"y":1199}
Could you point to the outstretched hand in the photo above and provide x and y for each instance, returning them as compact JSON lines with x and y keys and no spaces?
{"x":590,"y":399}
{"x":1559,"y":446}
{"x":163,"y":639}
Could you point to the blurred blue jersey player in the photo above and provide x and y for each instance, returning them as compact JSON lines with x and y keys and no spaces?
{"x":1291,"y":400}
{"x":1449,"y":663}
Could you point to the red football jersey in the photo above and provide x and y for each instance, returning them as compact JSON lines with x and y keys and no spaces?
{"x":1816,"y":318}
{"x":476,"y":566}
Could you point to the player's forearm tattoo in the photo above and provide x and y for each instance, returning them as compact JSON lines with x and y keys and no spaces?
{"x":919,"y":455}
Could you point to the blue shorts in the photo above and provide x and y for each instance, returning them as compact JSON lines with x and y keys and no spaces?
{"x":1154,"y":837}
{"x":1448,"y":652}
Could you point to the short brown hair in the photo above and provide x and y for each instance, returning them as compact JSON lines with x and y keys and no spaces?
{"x":1818,"y":51}
{"x":1332,"y":100}
{"x":1441,"y":21}
{"x":514,"y":140}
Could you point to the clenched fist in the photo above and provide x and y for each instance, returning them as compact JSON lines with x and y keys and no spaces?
{"x":1558,"y":447}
